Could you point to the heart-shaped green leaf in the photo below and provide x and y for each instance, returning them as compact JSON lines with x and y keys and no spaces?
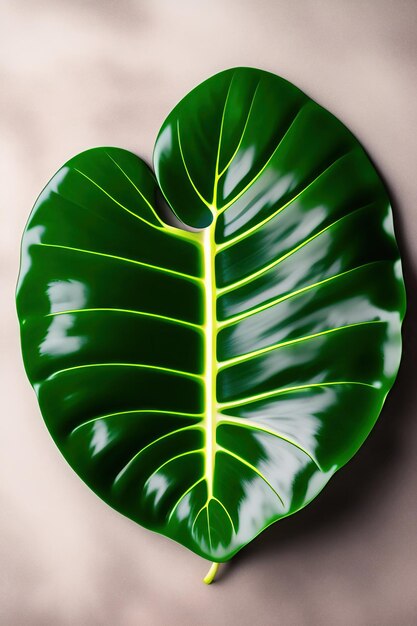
{"x":207,"y":384}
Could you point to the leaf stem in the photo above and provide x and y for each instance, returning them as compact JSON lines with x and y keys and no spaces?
{"x":208,"y":579}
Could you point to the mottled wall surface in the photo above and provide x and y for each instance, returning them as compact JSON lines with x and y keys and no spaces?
{"x":80,"y":73}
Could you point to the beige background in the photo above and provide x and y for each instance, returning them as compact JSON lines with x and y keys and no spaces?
{"x":80,"y":73}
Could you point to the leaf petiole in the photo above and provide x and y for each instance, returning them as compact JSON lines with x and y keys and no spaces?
{"x":208,"y":579}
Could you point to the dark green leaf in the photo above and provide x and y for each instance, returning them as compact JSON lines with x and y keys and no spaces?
{"x":207,"y":384}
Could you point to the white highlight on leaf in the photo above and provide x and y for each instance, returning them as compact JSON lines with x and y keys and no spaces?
{"x":157,"y":485}
{"x":67,"y":294}
{"x":58,"y":342}
{"x":241,"y":166}
{"x":33,"y":236}
{"x":101,"y":437}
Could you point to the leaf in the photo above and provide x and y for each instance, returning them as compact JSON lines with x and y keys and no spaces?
{"x":206,"y":384}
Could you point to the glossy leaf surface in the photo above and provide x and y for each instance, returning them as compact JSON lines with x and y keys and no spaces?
{"x":207,"y":384}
